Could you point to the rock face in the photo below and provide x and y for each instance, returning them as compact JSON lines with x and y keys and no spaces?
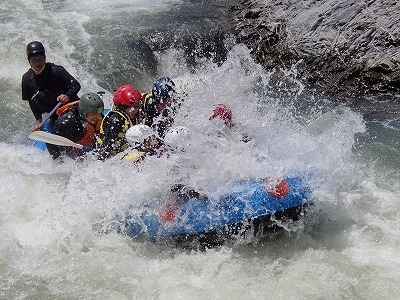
{"x":339,"y":45}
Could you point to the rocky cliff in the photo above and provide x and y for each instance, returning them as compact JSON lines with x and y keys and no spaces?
{"x":338,"y":45}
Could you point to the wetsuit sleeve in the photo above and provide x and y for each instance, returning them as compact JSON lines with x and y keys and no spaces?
{"x":28,"y":90}
{"x":27,"y":87}
{"x":70,"y":84}
{"x":35,"y":110}
{"x":114,"y":137}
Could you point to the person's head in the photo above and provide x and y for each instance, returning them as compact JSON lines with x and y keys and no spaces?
{"x":221,"y":111}
{"x":128,"y":99}
{"x":177,"y":138}
{"x":36,"y":56}
{"x":163,"y":92}
{"x":141,"y":135}
{"x":91,"y":107}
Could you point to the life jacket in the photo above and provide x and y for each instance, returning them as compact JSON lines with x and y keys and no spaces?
{"x":138,"y":155}
{"x":89,"y":139}
{"x":91,"y":130}
{"x":127,"y":124}
{"x":134,"y":156}
{"x":161,"y":121}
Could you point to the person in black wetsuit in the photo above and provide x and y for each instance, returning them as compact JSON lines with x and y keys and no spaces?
{"x":79,"y":123}
{"x":45,"y":84}
{"x":160,"y":105}
{"x":127,"y":111}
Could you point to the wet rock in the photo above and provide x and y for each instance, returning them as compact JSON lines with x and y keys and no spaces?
{"x":338,"y":45}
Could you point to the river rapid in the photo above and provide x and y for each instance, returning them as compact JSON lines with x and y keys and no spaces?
{"x":57,"y":233}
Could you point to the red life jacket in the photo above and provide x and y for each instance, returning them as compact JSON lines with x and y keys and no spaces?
{"x":89,"y":138}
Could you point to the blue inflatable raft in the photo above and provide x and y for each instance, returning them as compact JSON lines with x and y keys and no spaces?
{"x":249,"y":205}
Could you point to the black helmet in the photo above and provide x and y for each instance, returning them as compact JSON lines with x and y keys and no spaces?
{"x":90,"y":103}
{"x":163,"y":88}
{"x":34,"y":48}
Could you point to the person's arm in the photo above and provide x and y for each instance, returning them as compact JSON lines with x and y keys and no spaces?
{"x":36,"y":111}
{"x":28,"y":94}
{"x":69,"y":84}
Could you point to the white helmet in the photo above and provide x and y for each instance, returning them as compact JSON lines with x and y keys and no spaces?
{"x":137,"y":134}
{"x":177,"y":137}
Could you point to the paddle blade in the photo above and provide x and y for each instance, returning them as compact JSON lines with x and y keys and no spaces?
{"x":53,"y":139}
{"x":321,"y":125}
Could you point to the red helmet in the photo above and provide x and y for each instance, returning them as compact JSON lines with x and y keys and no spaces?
{"x":126,"y":95}
{"x":222,"y":112}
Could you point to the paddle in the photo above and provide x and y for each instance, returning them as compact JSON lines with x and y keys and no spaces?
{"x":320,"y":125}
{"x":50,"y":114}
{"x":47,"y":117}
{"x":54,"y":139}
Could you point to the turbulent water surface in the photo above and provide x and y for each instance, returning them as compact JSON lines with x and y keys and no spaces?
{"x":57,"y":220}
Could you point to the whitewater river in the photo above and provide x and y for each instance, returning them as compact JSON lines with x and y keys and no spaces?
{"x":57,"y":221}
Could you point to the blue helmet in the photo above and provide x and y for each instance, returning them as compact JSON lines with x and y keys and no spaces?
{"x":163,"y":88}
